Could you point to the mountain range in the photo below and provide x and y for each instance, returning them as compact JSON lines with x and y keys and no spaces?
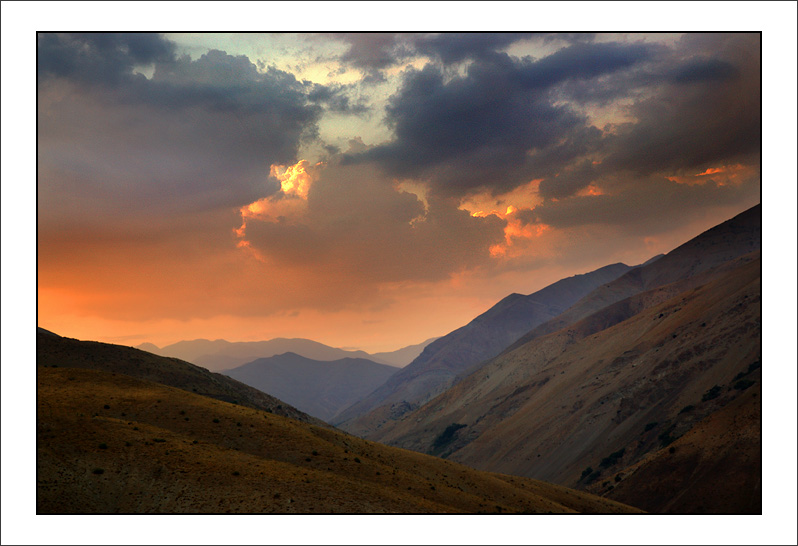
{"x":316,"y":387}
{"x":602,"y":388}
{"x":112,"y":437}
{"x":219,"y":355}
{"x":443,"y":360}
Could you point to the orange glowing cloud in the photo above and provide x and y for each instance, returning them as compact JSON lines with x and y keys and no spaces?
{"x":722,"y":175}
{"x":290,"y":204}
{"x":590,"y":190}
{"x":294,"y":179}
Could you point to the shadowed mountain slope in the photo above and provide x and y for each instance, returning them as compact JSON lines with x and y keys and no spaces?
{"x":719,"y":459}
{"x":53,"y":350}
{"x":443,"y":360}
{"x":321,"y":389}
{"x":593,"y":398}
{"x":112,"y":443}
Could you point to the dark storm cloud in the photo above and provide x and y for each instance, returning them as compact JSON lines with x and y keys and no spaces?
{"x":99,"y":57}
{"x":704,"y":70}
{"x":455,"y":47}
{"x":569,"y":181}
{"x":336,"y":99}
{"x":709,"y":115}
{"x":480,"y":129}
{"x":651,"y":205}
{"x":198,"y":134}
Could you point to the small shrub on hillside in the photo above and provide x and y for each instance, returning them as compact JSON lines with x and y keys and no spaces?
{"x":586,"y":472}
{"x":665,"y":438}
{"x":649,"y":426}
{"x":159,"y":440}
{"x":236,"y":473}
{"x":612,"y":458}
{"x":687,"y":408}
{"x":711,"y":394}
{"x":315,"y":452}
{"x":743,"y":384}
{"x":357,"y":460}
{"x":98,"y":471}
{"x":215,"y":420}
{"x":447,"y":435}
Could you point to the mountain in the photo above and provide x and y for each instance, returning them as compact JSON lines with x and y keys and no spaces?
{"x":584,"y":403}
{"x":401,"y":357}
{"x":443,"y":360}
{"x":715,"y":247}
{"x":220,"y":355}
{"x":318,"y":388}
{"x":61,"y":352}
{"x":108,"y":443}
{"x":720,"y":459}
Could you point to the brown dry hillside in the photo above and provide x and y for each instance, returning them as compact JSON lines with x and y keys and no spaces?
{"x":54,"y":350}
{"x":604,"y":392}
{"x":111,"y":443}
{"x":722,"y":450}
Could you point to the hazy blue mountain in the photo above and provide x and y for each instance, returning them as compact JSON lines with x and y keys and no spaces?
{"x":318,"y":388}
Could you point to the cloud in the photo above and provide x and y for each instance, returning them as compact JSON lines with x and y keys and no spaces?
{"x":358,"y":225}
{"x":197,"y":135}
{"x":107,"y":58}
{"x":493,"y":126}
{"x":709,"y":115}
{"x":458,"y":46}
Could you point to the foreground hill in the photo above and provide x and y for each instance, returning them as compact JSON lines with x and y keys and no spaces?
{"x":53,"y":350}
{"x":318,"y":388}
{"x":442,"y":361}
{"x":112,"y":443}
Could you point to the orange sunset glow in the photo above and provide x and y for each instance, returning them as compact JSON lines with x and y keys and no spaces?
{"x":278,"y":206}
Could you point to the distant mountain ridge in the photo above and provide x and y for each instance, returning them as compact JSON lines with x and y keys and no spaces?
{"x":438,"y":366}
{"x":219,"y":355}
{"x":56,"y":351}
{"x":319,"y":388}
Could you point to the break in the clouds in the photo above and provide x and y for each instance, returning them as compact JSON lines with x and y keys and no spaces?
{"x":321,"y":172}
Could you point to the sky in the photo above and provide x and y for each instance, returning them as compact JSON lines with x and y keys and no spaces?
{"x":370,"y":190}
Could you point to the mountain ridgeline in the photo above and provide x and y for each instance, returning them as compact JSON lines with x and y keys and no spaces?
{"x":602,"y":392}
{"x":318,"y":388}
{"x":443,"y":360}
{"x":220,"y":355}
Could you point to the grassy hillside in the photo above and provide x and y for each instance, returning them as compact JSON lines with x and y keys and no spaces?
{"x":53,"y":350}
{"x":111,"y":443}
